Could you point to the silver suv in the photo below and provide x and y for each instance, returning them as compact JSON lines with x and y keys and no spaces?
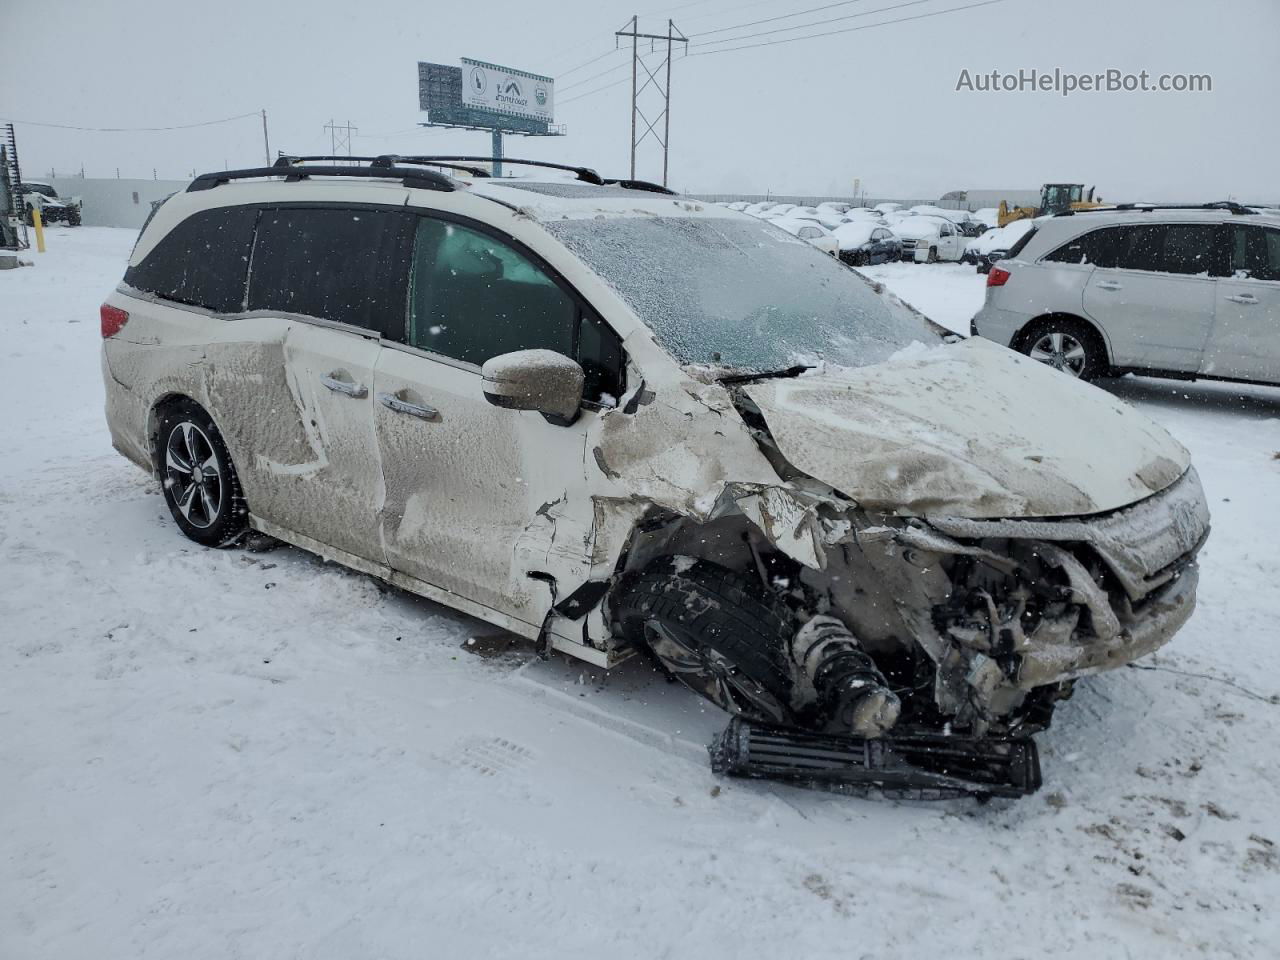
{"x":1167,"y":291}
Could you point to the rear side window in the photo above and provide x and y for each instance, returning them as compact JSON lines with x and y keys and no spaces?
{"x":203,"y":261}
{"x":1183,"y":248}
{"x":340,"y":264}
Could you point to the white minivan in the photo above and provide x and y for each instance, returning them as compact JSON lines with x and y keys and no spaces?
{"x":614,"y":420}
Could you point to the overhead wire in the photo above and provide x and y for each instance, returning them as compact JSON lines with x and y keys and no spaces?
{"x":781,"y":16}
{"x":832,"y":33}
{"x":180,"y":126}
{"x":814,"y":23}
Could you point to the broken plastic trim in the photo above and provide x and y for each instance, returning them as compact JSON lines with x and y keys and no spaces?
{"x":931,"y":765}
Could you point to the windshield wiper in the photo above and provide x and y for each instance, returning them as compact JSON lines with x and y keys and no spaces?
{"x":795,"y":371}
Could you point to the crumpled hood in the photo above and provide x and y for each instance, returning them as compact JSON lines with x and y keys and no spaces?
{"x":972,"y":430}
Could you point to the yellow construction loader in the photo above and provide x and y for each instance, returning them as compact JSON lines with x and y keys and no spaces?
{"x":1054,"y":198}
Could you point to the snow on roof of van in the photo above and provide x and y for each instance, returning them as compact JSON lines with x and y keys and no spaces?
{"x":565,"y":199}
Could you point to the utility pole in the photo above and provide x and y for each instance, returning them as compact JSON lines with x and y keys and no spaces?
{"x":496,"y":141}
{"x":672,"y":36}
{"x":266,"y":144}
{"x":339,"y":137}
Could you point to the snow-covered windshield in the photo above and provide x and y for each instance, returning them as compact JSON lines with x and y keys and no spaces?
{"x":739,"y":292}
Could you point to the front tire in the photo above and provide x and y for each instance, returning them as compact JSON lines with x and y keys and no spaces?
{"x":714,"y":631}
{"x":198,"y":479}
{"x":933,"y":255}
{"x":1067,"y":345}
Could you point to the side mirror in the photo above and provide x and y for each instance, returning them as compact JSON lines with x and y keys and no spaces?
{"x":540,"y":380}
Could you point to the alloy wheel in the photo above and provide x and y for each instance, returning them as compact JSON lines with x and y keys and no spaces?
{"x":192,"y":475}
{"x":710,"y":674}
{"x":1061,"y":351}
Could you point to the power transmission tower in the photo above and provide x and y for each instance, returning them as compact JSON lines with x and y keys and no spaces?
{"x":340,"y":137}
{"x":663,"y":87}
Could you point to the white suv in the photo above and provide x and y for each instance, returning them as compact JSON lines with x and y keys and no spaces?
{"x":1169,"y":291}
{"x":611,"y":419}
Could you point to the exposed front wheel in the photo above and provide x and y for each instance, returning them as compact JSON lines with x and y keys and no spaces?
{"x":714,"y":632}
{"x":741,"y":647}
{"x":199,"y":481}
{"x":1069,"y":346}
{"x":933,"y":255}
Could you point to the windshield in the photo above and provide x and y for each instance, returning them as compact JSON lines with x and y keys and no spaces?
{"x":741,"y":293}
{"x":41,"y":188}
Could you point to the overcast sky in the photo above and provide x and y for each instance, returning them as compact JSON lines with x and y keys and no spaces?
{"x":810,"y":116}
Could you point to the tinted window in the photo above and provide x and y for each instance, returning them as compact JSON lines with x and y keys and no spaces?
{"x":474,"y":297}
{"x":1255,"y":253}
{"x":1093,"y":247}
{"x":1020,"y":243}
{"x":346,"y":265}
{"x":1169,"y":248}
{"x":1192,"y":249}
{"x":204,"y":260}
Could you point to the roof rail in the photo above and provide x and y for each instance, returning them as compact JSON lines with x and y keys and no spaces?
{"x":1228,"y":205}
{"x":583,"y":173}
{"x":641,"y":185}
{"x":421,"y":179}
{"x":382,"y":160}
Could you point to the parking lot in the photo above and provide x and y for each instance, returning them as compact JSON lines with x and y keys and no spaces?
{"x":227,"y":753}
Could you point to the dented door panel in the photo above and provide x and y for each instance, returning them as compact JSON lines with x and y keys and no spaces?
{"x":478,"y":497}
{"x":337,"y":482}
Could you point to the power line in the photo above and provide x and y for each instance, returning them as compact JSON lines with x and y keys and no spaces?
{"x":832,"y":33}
{"x":602,"y":73}
{"x":589,"y":93}
{"x":607,"y":53}
{"x":782,"y":16}
{"x":815,"y":23}
{"x":181,"y":126}
{"x":586,"y":93}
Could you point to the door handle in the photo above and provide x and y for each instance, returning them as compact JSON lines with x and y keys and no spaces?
{"x":1108,"y":285}
{"x":345,"y":387}
{"x":419,"y":410}
{"x":1243,"y":298}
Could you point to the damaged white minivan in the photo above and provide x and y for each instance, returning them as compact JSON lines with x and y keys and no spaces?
{"x":612,"y":419}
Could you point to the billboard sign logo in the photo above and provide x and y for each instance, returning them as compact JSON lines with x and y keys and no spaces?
{"x":504,"y":90}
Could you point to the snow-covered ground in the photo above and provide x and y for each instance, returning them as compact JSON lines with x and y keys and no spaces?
{"x":224,"y":754}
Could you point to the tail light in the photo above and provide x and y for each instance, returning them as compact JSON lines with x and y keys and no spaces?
{"x":997,"y":277}
{"x":113,"y":320}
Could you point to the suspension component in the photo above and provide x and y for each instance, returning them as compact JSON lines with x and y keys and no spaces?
{"x":851,"y":694}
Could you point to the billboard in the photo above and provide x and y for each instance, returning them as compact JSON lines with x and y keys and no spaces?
{"x":502,"y":90}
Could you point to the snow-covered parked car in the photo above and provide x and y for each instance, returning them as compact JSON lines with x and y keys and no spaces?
{"x":811,"y":232}
{"x":611,"y":420}
{"x":988,"y":216}
{"x":865,"y":242}
{"x":995,"y":244}
{"x":53,"y":208}
{"x":929,"y":239}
